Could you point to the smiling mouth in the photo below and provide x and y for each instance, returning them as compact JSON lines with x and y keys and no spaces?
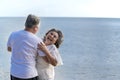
{"x":49,"y":39}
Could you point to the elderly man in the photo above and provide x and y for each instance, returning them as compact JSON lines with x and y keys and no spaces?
{"x":23,"y":45}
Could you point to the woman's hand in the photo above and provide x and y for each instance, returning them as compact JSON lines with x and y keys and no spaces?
{"x":42,"y":47}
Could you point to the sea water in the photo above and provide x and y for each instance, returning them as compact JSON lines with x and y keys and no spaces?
{"x":90,"y":50}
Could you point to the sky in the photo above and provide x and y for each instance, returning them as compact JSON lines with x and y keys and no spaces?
{"x":60,"y":8}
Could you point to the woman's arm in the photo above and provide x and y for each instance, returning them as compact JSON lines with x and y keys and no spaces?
{"x":50,"y":58}
{"x":45,"y":59}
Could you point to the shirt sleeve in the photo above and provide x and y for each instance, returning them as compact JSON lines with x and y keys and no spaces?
{"x":9,"y":43}
{"x":40,"y":53}
{"x":56,"y":54}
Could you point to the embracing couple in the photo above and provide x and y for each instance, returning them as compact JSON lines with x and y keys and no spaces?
{"x":34,"y":58}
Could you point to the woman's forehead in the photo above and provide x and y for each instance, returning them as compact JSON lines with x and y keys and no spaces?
{"x":54,"y":32}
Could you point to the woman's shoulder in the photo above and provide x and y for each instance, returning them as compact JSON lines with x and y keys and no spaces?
{"x":52,"y":47}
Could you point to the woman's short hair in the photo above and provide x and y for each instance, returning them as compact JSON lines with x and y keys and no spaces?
{"x":31,"y":21}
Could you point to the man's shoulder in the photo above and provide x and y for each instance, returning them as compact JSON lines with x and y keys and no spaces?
{"x":16,"y":32}
{"x":36,"y":38}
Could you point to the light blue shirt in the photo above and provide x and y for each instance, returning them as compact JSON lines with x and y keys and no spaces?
{"x":24,"y":52}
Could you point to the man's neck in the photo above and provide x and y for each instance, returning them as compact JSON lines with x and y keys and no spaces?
{"x":29,"y":30}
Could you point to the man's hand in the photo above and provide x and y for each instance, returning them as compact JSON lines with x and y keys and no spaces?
{"x":9,"y":49}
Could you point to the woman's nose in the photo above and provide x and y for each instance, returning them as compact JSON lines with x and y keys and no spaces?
{"x":52,"y":36}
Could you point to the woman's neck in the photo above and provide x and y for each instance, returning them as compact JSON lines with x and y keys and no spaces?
{"x":47,"y":43}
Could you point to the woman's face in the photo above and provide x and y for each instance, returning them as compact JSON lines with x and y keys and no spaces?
{"x":51,"y":37}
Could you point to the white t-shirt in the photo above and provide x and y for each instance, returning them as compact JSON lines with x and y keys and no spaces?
{"x":24,"y":52}
{"x":46,"y":70}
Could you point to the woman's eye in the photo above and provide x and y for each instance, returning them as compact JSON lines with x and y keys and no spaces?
{"x":54,"y":36}
{"x":51,"y":33}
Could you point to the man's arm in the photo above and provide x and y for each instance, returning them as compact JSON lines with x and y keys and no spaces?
{"x":9,"y":43}
{"x":9,"y":49}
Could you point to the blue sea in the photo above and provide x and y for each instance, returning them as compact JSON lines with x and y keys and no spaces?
{"x":90,"y":51}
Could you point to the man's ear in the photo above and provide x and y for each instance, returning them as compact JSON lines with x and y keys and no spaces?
{"x":36,"y":28}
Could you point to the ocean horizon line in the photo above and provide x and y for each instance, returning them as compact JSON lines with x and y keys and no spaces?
{"x":61,"y":17}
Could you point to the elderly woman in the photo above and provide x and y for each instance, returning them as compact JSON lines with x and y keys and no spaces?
{"x":45,"y":64}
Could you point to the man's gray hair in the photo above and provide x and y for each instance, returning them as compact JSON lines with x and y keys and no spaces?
{"x":31,"y":21}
